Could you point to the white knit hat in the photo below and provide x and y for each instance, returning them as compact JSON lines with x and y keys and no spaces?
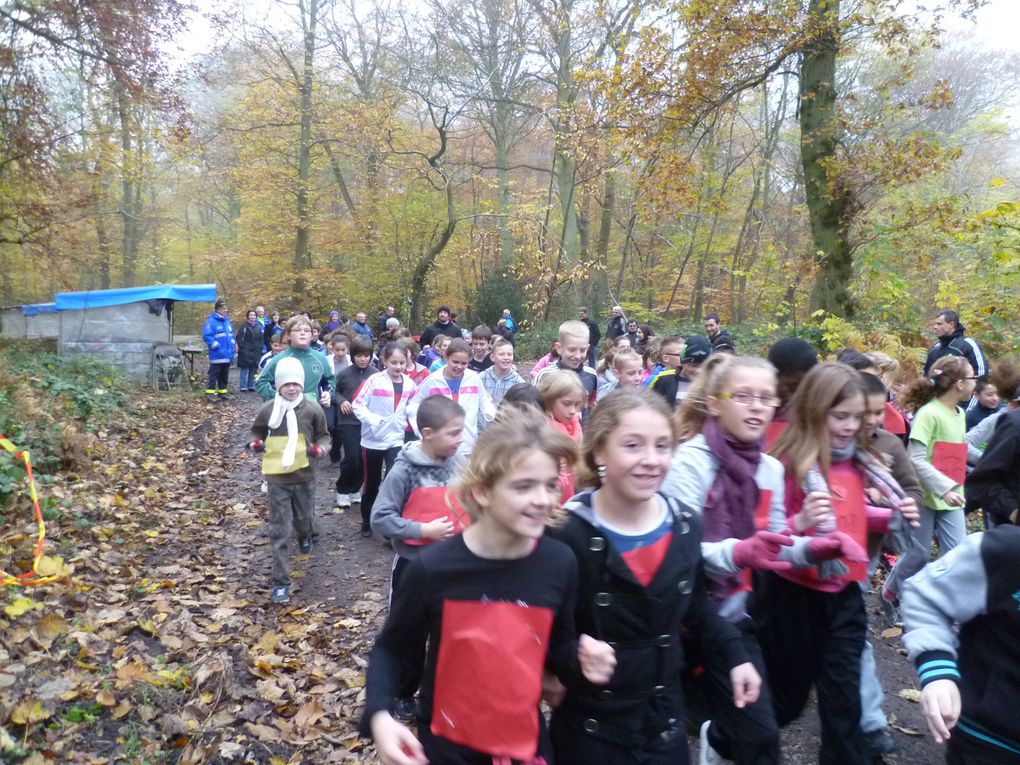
{"x":289,"y":370}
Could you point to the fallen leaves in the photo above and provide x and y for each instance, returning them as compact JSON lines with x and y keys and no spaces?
{"x":30,"y":710}
{"x":910,"y":694}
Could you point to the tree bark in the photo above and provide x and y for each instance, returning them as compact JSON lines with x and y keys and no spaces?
{"x":310,"y":18}
{"x":829,"y":202}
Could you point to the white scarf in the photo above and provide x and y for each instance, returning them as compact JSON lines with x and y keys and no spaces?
{"x":282,"y":408}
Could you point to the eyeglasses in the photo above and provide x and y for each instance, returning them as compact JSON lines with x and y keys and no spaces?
{"x":746,"y":399}
{"x":973,"y":377}
{"x":677,"y":355}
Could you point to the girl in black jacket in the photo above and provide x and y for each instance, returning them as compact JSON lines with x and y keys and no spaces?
{"x":249,"y":350}
{"x":641,"y":584}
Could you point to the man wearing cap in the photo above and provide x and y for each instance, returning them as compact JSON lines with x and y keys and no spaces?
{"x":617,"y":324}
{"x":720,"y":338}
{"x":218,"y":334}
{"x":673,"y":384}
{"x":441,"y":326}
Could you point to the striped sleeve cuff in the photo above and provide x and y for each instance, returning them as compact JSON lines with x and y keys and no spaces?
{"x":937,"y":665}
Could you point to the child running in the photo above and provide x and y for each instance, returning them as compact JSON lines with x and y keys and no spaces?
{"x":719,"y":469}
{"x":381,"y":407}
{"x":458,"y":382}
{"x":563,"y":398}
{"x":938,"y":453}
{"x":642,"y":583}
{"x":289,"y":429}
{"x":481,"y":337}
{"x":488,"y":610}
{"x":439,"y":346}
{"x":348,"y":426}
{"x":962,"y":624}
{"x":501,"y":376}
{"x":572,"y":349}
{"x":811,"y":621}
{"x":627,"y":369}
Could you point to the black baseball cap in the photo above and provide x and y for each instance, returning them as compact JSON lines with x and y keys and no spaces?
{"x":697,"y":349}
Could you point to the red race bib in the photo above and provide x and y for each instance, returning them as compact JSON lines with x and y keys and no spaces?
{"x":951,"y":460}
{"x":489,"y":676}
{"x":427,"y":504}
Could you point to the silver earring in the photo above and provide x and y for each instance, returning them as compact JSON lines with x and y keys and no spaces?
{"x":600,"y":471}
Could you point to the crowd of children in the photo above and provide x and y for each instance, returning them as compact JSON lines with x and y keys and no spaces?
{"x":655,"y":546}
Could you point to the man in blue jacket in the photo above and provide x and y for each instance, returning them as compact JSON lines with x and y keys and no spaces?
{"x":218,"y":334}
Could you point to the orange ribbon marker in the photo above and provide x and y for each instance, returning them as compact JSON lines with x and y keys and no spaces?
{"x":29,"y":578}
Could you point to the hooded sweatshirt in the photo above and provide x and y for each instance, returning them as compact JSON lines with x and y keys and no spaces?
{"x":414,"y":475}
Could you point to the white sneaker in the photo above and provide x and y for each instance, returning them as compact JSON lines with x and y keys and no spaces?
{"x":343,"y":500}
{"x":355,"y":498}
{"x":706,"y":754}
{"x":264,"y":488}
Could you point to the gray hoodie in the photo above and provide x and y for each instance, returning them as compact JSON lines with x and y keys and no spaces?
{"x":412,"y":470}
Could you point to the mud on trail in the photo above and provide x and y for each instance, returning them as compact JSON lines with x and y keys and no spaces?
{"x":160,"y":644}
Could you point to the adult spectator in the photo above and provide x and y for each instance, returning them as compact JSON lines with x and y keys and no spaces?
{"x":720,"y":338}
{"x":249,"y":350}
{"x":594,"y":333}
{"x":510,"y":323}
{"x":360,"y":326}
{"x":441,"y":326}
{"x":385,"y":316}
{"x":218,"y":334}
{"x":953,"y":342}
{"x":502,"y":330}
{"x":261,"y":318}
{"x":617,"y":324}
{"x":333,"y":324}
{"x":632,"y":334}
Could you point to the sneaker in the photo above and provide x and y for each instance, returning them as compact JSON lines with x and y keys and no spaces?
{"x":403,"y":711}
{"x":366,"y":532}
{"x":264,"y":488}
{"x":706,"y":754}
{"x":879,"y":742}
{"x":891,"y":611}
{"x":343,"y":500}
{"x":356,"y":497}
{"x":281,"y":593}
{"x":305,"y":545}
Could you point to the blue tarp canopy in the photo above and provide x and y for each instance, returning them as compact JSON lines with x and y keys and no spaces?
{"x":38,"y":308}
{"x":193,"y":293}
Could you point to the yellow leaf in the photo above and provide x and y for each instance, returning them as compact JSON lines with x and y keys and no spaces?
{"x":52,"y":565}
{"x":20,"y":606}
{"x":910,"y":695}
{"x":106,"y":698}
{"x":29,"y":711}
{"x":996,"y":182}
{"x":309,"y":714}
{"x":892,"y":632}
{"x":51,"y":626}
{"x":121,"y":710}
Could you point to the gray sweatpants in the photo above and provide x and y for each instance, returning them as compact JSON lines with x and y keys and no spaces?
{"x":290,"y":511}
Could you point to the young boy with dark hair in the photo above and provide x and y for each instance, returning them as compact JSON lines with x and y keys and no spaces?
{"x":289,"y":429}
{"x":348,"y":426}
{"x":481,"y":339}
{"x":412,"y":508}
{"x":572,"y":346}
{"x":455,"y":381}
{"x":681,"y":367}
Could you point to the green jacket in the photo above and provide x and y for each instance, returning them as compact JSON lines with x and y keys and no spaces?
{"x":318,"y":376}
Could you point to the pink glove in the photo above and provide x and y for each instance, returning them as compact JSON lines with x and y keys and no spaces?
{"x":316,"y":451}
{"x":878,"y":519}
{"x":836,"y":545}
{"x":762,"y":551}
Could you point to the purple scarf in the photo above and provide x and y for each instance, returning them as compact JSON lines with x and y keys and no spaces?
{"x":733,"y":498}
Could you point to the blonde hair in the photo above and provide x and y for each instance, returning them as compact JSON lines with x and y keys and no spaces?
{"x":624,"y":356}
{"x":573,"y":328}
{"x":559,"y":384}
{"x":298,"y":320}
{"x":887,"y":367}
{"x":515,"y":433}
{"x":805,"y":442}
{"x":606,"y":417}
{"x":715,"y":376}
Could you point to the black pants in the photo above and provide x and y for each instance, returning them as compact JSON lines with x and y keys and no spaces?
{"x":352,"y":471}
{"x":962,"y":750}
{"x":374,"y":460}
{"x":748,"y":736}
{"x":218,"y":376}
{"x":813,"y":638}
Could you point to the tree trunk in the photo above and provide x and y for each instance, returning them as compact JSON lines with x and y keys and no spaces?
{"x":600,"y":292}
{"x":128,"y":183}
{"x":301,"y":257}
{"x":829,"y":202}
